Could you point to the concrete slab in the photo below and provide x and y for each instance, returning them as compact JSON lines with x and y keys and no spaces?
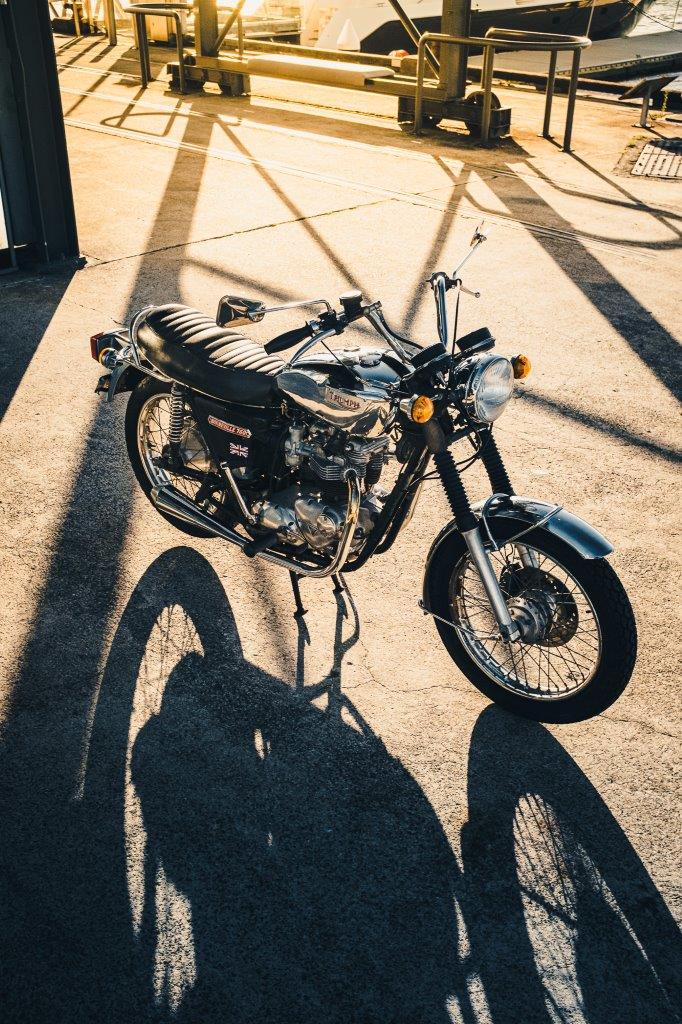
{"x":180,"y":841}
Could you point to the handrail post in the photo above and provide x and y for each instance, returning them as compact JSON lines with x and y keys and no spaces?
{"x":177,"y":17}
{"x":549,"y":93}
{"x":572,"y":92}
{"x":143,"y":48}
{"x":110,"y":22}
{"x":419,"y":91}
{"x":487,"y":83}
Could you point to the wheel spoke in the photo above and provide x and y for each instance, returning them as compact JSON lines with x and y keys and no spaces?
{"x":566,"y":655}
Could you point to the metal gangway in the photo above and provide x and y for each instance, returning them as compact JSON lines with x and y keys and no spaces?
{"x":430,"y":89}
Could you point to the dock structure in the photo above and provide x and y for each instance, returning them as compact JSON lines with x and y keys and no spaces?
{"x":608,"y":60}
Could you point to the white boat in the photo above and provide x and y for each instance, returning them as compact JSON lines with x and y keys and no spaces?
{"x":373,"y":27}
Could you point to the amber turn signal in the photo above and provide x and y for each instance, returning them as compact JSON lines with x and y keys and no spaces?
{"x":521,"y":366}
{"x":422,"y":409}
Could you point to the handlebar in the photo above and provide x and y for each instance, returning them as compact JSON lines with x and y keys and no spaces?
{"x":288,"y":339}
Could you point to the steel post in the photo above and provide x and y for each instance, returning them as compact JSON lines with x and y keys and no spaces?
{"x":143,"y":48}
{"x":206,"y":28}
{"x":549,"y":94}
{"x":487,"y":84}
{"x":37,"y":182}
{"x":419,"y":91}
{"x":110,"y":22}
{"x":453,"y":59}
{"x":572,"y":91}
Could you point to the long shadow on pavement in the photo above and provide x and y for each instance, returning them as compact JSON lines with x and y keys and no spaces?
{"x":23,"y":322}
{"x":564,"y":921}
{"x":237,"y":852}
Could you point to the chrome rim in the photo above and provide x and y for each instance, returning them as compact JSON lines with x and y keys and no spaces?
{"x":152,"y":437}
{"x":559,"y":662}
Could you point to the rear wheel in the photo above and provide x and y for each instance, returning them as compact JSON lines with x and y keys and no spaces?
{"x":579,"y":631}
{"x":147,"y":426}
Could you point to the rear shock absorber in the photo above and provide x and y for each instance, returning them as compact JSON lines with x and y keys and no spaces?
{"x":176,"y":419}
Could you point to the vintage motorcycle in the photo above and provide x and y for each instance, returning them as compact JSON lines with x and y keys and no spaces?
{"x":285,"y":460}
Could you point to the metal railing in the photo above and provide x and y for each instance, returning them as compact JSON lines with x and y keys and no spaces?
{"x":173,"y":12}
{"x":508,"y":39}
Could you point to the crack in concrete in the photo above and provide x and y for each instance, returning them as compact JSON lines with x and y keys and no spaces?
{"x":234,"y":234}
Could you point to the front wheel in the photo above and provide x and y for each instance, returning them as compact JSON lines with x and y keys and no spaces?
{"x":580,"y":637}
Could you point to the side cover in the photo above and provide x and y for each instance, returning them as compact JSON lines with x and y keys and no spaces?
{"x":242,"y":437}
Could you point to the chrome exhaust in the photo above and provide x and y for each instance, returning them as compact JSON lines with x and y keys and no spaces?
{"x":173,"y":503}
{"x":169,"y":500}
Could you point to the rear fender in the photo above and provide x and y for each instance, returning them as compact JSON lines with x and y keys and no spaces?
{"x":123,"y":377}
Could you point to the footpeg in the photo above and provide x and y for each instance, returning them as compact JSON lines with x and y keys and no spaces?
{"x":254,"y":547}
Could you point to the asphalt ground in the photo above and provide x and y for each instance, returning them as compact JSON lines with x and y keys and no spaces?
{"x":182,"y":837}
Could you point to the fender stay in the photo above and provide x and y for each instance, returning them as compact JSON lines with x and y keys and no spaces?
{"x":530,"y":512}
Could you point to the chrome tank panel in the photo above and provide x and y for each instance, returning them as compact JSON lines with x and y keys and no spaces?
{"x":364,"y":410}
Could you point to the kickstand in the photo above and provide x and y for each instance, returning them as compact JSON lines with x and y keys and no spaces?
{"x":338,"y":584}
{"x":300,"y":610}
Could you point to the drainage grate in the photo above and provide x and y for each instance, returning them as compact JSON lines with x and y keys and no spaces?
{"x":660,"y":159}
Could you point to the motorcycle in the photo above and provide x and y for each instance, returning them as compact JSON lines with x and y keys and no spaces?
{"x":285,"y":459}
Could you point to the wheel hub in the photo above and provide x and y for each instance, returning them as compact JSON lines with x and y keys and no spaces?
{"x":542,"y":607}
{"x":531,"y":616}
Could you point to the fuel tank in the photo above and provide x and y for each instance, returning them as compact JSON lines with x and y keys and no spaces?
{"x":350,"y":393}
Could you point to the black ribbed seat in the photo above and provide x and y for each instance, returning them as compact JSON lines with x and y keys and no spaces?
{"x":189,"y":347}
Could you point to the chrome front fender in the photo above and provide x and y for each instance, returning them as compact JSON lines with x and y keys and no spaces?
{"x":530,"y":514}
{"x":573,"y":530}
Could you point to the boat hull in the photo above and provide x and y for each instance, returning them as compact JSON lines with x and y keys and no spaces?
{"x":608,"y":21}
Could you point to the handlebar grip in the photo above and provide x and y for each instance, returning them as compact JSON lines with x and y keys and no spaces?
{"x":289,"y":338}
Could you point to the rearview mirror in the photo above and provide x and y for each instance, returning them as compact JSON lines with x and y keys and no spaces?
{"x":478,"y":235}
{"x":236,"y":310}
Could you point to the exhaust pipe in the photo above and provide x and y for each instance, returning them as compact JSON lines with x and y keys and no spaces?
{"x":173,"y":503}
{"x":169,"y":500}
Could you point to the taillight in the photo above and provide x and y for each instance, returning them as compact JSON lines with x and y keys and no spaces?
{"x":95,"y":345}
{"x":103,"y":348}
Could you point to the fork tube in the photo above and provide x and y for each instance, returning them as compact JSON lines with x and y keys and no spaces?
{"x":494,"y":467}
{"x":501,"y":484}
{"x":479,"y":556}
{"x":439,"y":285}
{"x":467,"y":524}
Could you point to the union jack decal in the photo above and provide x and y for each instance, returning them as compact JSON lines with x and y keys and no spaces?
{"x":240,"y":451}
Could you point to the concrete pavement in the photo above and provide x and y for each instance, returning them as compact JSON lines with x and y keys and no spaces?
{"x":179,"y":840}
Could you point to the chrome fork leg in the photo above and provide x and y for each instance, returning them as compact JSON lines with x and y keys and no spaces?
{"x":528,"y":558}
{"x":479,"y":556}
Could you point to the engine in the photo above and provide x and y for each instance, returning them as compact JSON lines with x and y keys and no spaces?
{"x":312,"y":512}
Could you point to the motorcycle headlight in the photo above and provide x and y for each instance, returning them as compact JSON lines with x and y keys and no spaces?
{"x":489,"y":388}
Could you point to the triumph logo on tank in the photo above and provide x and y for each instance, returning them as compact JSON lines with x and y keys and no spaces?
{"x":345,"y":401}
{"x":229,"y":428}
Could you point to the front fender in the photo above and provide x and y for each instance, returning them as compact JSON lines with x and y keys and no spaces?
{"x":531,"y":513}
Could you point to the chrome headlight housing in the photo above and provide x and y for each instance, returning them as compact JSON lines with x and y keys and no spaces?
{"x":488,"y":388}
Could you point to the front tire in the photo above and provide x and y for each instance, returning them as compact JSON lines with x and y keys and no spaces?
{"x":589,"y":628}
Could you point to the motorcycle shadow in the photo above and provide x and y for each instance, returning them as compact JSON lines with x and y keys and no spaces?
{"x":274,"y":861}
{"x":261,"y":858}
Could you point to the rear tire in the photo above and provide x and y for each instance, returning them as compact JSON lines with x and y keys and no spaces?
{"x":612,"y":611}
{"x":148,"y":389}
